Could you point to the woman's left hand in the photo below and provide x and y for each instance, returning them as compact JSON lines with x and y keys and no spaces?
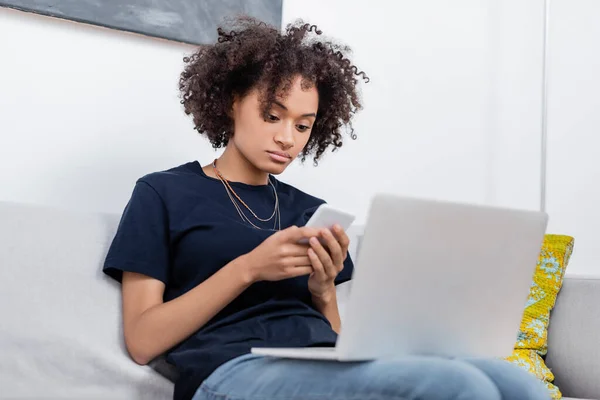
{"x":327,"y":261}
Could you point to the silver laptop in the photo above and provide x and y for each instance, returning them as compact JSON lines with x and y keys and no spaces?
{"x":435,"y":278}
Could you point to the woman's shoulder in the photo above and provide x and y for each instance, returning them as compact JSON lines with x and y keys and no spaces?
{"x":178,"y":174}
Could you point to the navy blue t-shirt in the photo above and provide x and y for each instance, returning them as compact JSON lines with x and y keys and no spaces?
{"x":180,"y":227}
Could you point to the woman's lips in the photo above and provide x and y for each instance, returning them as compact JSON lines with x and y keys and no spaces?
{"x":278,"y":157}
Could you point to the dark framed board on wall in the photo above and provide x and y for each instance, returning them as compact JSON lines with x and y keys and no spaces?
{"x":187,"y":21}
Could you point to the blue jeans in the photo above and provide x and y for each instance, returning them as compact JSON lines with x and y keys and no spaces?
{"x":253,"y":377}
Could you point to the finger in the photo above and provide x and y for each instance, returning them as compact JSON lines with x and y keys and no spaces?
{"x":341,"y":237}
{"x":306,"y":233}
{"x":334,"y":247}
{"x":296,"y":250}
{"x":289,"y":233}
{"x":324,"y":257}
{"x":294,"y":272}
{"x":295,"y":235}
{"x":343,"y":240}
{"x":299,"y":261}
{"x":317,"y":265}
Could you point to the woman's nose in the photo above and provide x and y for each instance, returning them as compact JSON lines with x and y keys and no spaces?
{"x":285,"y":138}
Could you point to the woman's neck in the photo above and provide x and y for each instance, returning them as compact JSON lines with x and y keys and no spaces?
{"x":234,"y":167}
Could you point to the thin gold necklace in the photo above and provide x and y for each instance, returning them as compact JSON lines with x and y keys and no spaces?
{"x":231,"y":193}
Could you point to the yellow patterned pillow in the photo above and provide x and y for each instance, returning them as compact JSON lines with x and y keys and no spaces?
{"x":532,"y":340}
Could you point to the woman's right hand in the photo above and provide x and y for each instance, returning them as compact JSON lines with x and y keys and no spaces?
{"x":280,"y":256}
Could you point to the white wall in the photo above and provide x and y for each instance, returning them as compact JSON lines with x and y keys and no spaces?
{"x":452,"y":110}
{"x":85,"y":110}
{"x":574,"y":128}
{"x":453,"y":107}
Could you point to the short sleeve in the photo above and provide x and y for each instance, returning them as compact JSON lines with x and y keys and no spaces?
{"x":141,"y":243}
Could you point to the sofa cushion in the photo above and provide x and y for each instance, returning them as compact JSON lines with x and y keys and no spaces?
{"x":60,"y":332}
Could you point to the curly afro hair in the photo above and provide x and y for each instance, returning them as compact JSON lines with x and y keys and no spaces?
{"x":250,"y":54}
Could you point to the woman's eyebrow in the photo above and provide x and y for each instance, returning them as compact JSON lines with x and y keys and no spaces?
{"x":285,"y":108}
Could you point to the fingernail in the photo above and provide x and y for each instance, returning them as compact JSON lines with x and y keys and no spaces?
{"x":314,"y":240}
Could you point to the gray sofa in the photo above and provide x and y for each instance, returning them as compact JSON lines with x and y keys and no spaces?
{"x":60,"y":330}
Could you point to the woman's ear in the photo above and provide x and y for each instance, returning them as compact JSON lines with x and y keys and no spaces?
{"x":234,"y":106}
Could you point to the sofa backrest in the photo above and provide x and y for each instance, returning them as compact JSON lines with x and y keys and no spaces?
{"x":574,"y":338}
{"x":60,"y":330}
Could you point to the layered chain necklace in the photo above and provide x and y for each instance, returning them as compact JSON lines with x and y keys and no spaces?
{"x":233,"y":196}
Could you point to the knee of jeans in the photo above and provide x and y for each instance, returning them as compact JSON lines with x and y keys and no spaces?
{"x":465,"y":382}
{"x":512,"y":381}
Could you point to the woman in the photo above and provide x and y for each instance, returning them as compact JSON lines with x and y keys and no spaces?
{"x":209,"y":258}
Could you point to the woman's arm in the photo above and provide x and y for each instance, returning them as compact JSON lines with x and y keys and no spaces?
{"x":328,"y":306}
{"x":152,"y":327}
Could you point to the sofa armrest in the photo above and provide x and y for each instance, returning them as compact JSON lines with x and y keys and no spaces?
{"x":574,"y":338}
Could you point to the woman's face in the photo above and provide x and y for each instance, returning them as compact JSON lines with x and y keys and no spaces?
{"x":271,"y":145}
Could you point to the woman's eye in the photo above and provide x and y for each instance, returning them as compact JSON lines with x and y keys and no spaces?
{"x":303,"y":128}
{"x":273,"y":117}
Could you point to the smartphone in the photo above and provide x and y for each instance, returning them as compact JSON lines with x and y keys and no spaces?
{"x":326,"y":216}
